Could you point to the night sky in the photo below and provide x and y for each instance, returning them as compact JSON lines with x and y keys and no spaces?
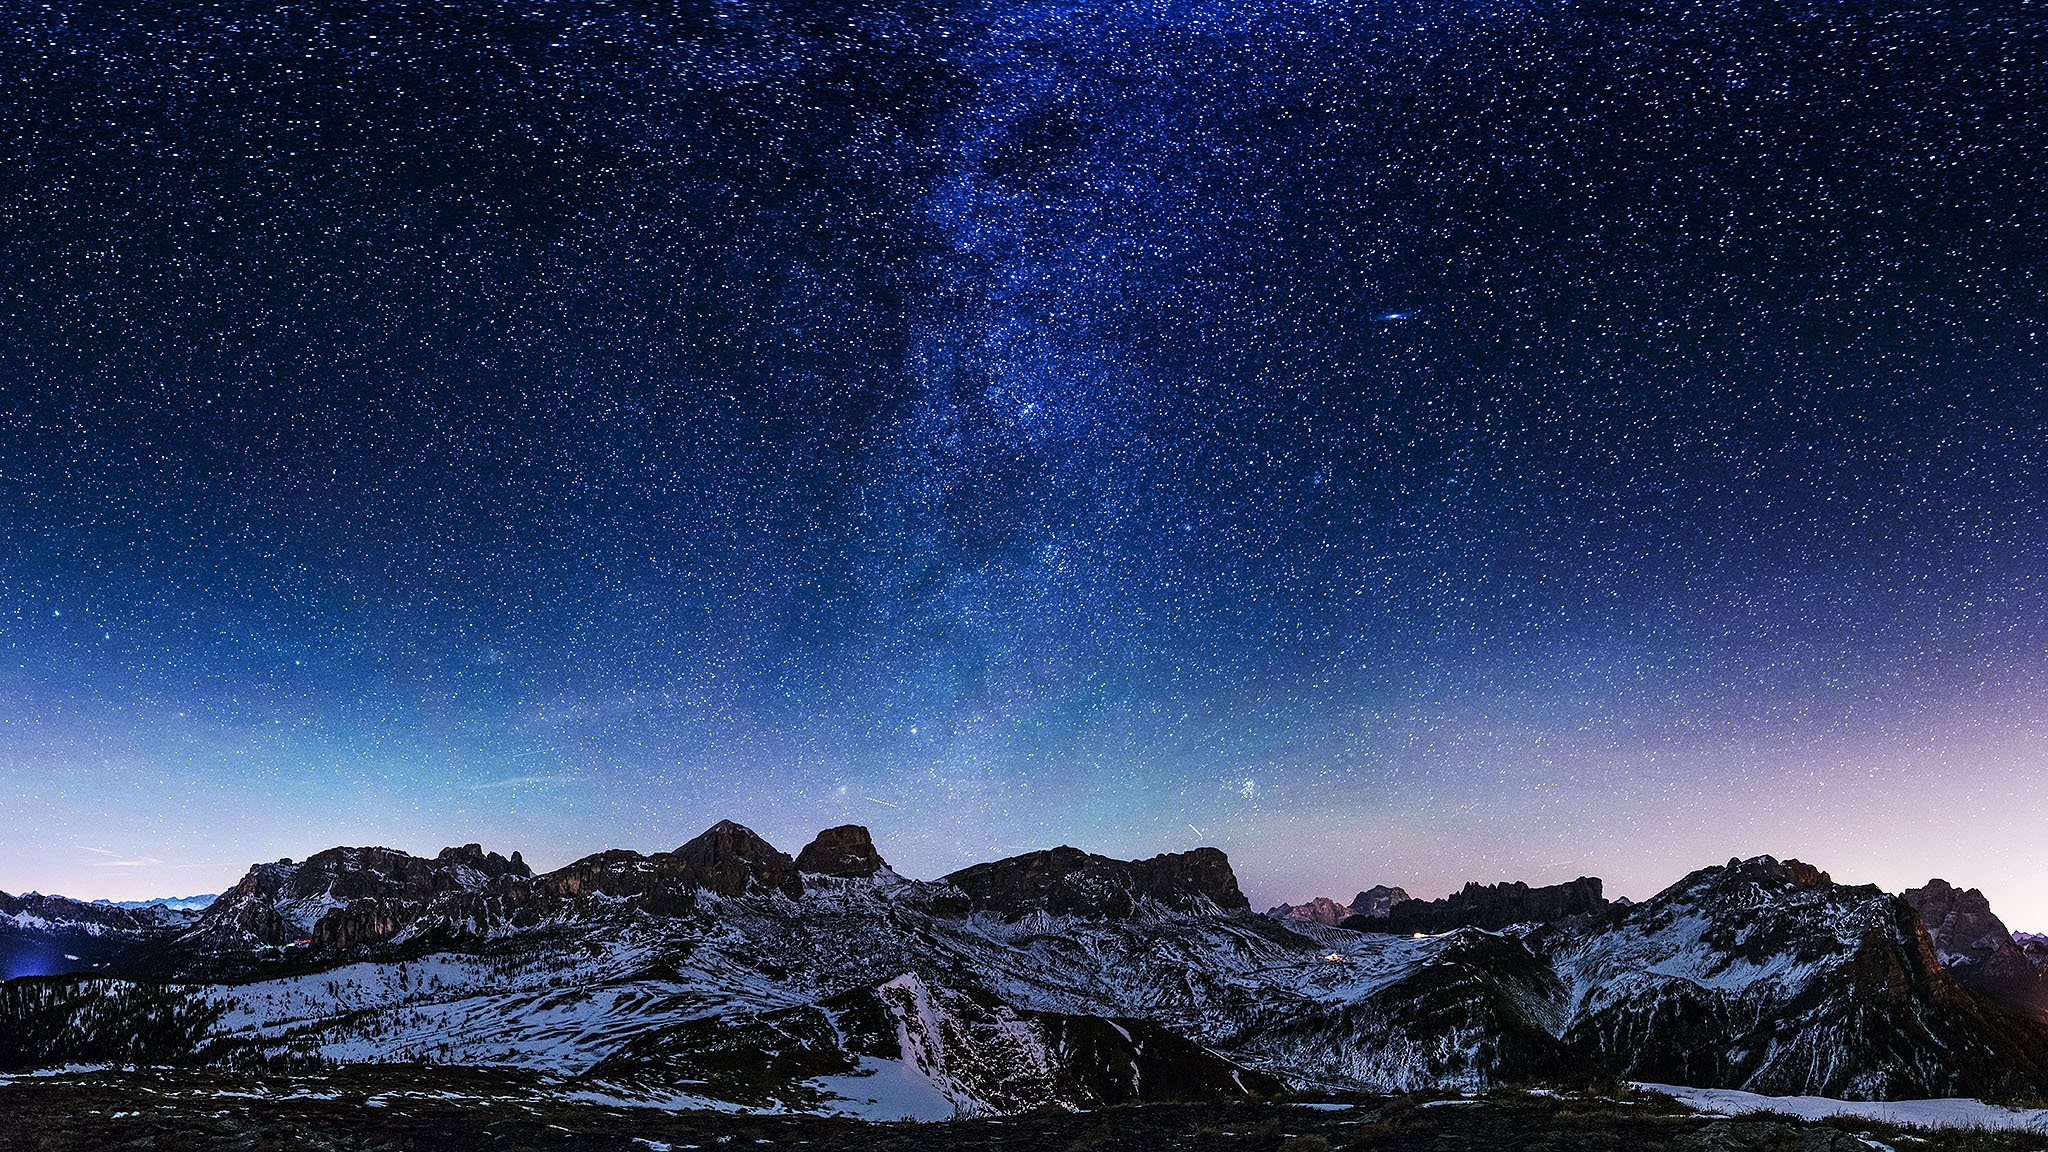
{"x":1394,"y":442}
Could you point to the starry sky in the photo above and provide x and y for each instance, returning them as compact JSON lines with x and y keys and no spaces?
{"x":1394,"y":441}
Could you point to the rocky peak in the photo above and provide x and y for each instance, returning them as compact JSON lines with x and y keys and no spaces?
{"x":347,"y":897}
{"x":612,"y":879}
{"x":1803,"y":979}
{"x":356,"y":873}
{"x":1066,"y":880}
{"x":1960,"y":920}
{"x":1321,"y":910}
{"x":1488,"y":906}
{"x":1376,"y":901}
{"x":732,"y":860}
{"x":1755,"y":882}
{"x":846,"y":851}
{"x":1770,"y":872}
{"x":488,"y":863}
{"x":1974,"y":945}
{"x":1198,"y":874}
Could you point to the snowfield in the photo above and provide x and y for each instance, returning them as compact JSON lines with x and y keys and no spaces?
{"x":1952,"y":1113}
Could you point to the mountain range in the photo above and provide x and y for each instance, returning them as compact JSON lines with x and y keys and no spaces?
{"x":726,"y":973}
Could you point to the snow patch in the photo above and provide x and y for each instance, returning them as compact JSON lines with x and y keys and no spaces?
{"x":886,"y":1090}
{"x":1959,"y":1112}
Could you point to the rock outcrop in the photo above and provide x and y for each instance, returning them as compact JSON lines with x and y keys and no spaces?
{"x":1488,"y":906}
{"x":1377,"y":901}
{"x":487,"y":864}
{"x":344,"y":899}
{"x":1321,"y":910}
{"x":1965,"y":930}
{"x":732,"y":860}
{"x":1978,"y":950}
{"x":847,"y":851}
{"x":1068,"y":881}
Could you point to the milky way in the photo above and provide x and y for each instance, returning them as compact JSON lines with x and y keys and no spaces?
{"x":1394,"y":442}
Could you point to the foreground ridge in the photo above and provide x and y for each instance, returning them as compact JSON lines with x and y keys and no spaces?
{"x":362,"y":1109}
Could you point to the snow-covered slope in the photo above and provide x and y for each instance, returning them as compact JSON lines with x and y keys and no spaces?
{"x":1948,"y":1112}
{"x":722,"y":972}
{"x":1769,"y":977}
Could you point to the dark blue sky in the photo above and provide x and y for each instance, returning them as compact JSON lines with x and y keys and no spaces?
{"x":1395,"y":442}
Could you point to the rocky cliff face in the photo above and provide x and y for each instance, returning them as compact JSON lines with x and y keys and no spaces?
{"x":846,"y":851}
{"x":1068,"y":881}
{"x":2035,"y":946}
{"x":1321,"y":910}
{"x":1975,"y":947}
{"x":731,"y":860}
{"x":1766,"y":975}
{"x":345,"y":899}
{"x":1965,"y":930}
{"x":1488,"y":906}
{"x":1377,"y":901}
{"x":1196,"y":879}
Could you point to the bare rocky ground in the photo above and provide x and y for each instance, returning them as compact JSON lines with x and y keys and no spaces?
{"x":387,"y":1110}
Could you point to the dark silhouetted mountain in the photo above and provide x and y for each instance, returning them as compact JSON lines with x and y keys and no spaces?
{"x":1489,"y":906}
{"x":1067,"y":880}
{"x":731,"y":860}
{"x":846,"y":851}
{"x":1377,"y":901}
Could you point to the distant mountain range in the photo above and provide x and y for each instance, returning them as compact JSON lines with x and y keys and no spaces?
{"x":174,"y":903}
{"x":728,"y":973}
